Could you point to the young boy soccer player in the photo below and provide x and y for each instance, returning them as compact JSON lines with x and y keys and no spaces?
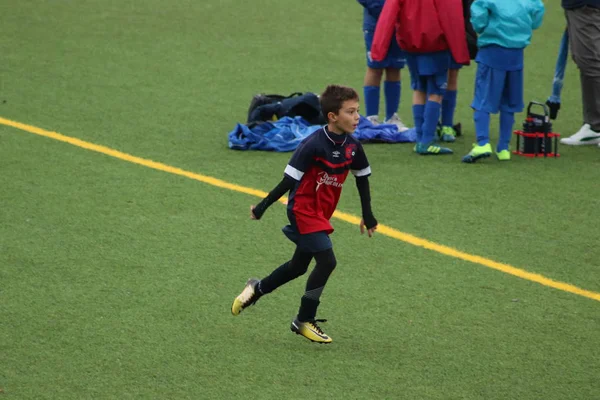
{"x":505,"y":29}
{"x":393,"y":63}
{"x":429,"y":31}
{"x":315,"y":176}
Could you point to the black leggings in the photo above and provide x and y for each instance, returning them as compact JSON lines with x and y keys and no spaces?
{"x":298,"y":266}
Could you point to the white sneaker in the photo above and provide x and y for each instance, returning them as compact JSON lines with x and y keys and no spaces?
{"x":395,"y":119}
{"x":374,"y":119}
{"x":584,"y":136}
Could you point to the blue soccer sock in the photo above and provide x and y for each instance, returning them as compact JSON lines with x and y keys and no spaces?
{"x":371,"y":100}
{"x":392,"y":91}
{"x":507,"y":120}
{"x":482,"y":127}
{"x":418,"y":116}
{"x":448,"y":107}
{"x":432,"y":116}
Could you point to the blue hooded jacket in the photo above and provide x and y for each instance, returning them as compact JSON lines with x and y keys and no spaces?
{"x":507,"y":24}
{"x":372,"y":9}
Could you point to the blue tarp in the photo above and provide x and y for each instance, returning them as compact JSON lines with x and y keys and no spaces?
{"x":287,"y":133}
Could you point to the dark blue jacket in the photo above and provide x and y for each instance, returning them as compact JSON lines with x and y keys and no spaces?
{"x":372,"y":9}
{"x":571,"y":4}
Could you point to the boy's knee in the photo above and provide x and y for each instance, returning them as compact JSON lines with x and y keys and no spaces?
{"x":326,"y":261}
{"x":392,"y":74}
{"x":377,"y":72}
{"x":435,"y":97}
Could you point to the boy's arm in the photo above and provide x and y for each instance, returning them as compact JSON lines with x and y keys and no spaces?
{"x":386,"y":26}
{"x":293,"y":173}
{"x":361,"y":169}
{"x":479,"y":15}
{"x":538,"y":14}
{"x":362,"y":183}
{"x":282,"y":188}
{"x":452,"y":21}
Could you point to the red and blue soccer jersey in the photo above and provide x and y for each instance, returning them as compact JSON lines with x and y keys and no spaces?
{"x":320,"y":165}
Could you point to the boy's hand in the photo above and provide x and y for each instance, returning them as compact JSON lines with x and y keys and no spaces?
{"x":252,"y":216}
{"x":369,"y":230}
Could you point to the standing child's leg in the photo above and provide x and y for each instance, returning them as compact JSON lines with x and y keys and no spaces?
{"x":419,"y":99}
{"x":392,"y":86}
{"x":448,"y":133}
{"x":512,"y":101}
{"x":507,"y":120}
{"x":392,"y":89}
{"x":371,"y":91}
{"x":482,"y":127}
{"x":489,"y":88}
{"x":434,"y":85}
{"x":432,"y":116}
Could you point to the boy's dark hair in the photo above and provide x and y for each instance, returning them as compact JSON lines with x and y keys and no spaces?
{"x":334,"y":96}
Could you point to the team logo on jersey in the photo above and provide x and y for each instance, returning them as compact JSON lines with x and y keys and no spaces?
{"x":336,"y":154}
{"x":350,"y":151}
{"x":325,"y":179}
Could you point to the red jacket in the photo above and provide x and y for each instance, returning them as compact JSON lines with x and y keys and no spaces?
{"x":422,"y":26}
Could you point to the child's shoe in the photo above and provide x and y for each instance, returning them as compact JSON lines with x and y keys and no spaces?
{"x":477,"y":153}
{"x":431,"y":149}
{"x":503,"y":155}
{"x":447,"y":134}
{"x":395,"y":120}
{"x":248,"y":297}
{"x":310,"y":330}
{"x":457,"y":128}
{"x":374,"y":119}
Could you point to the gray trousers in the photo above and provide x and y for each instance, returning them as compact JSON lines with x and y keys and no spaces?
{"x":584,"y":38}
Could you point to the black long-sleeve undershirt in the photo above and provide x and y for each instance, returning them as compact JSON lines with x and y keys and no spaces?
{"x":282,"y":188}
{"x":287,"y":184}
{"x":364,"y":191}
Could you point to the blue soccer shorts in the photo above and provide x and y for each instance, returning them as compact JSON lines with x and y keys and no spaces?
{"x":395,"y":57}
{"x":498,"y":90}
{"x":435,"y":83}
{"x":454,"y":64}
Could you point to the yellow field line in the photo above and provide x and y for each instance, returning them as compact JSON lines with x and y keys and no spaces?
{"x":382,"y":229}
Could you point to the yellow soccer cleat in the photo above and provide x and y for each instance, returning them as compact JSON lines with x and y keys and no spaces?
{"x":503,"y":155}
{"x":310,"y":330}
{"x":249,"y":296}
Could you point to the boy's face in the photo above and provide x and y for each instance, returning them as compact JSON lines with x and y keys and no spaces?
{"x":346,"y":120}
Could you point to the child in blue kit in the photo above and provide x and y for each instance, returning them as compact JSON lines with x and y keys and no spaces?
{"x":447,"y":130}
{"x":505,"y":29}
{"x":429,"y":32}
{"x":392,"y":64}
